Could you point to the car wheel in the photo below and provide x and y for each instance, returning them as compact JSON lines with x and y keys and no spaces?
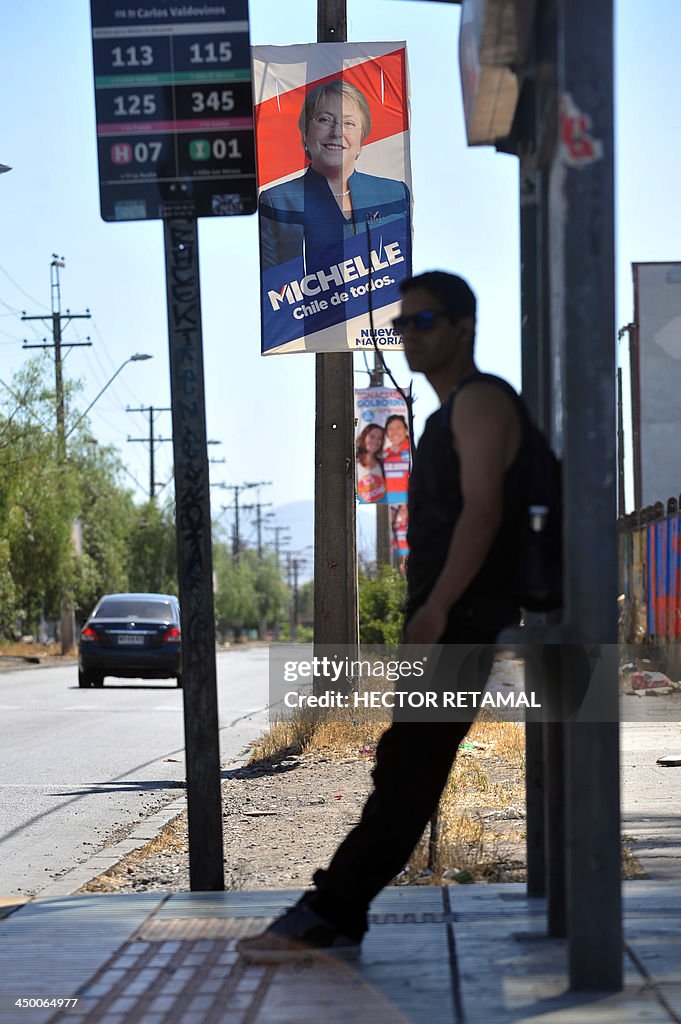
{"x":84,"y":680}
{"x":98,"y":681}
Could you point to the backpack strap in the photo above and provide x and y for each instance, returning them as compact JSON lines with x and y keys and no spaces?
{"x":489,"y":378}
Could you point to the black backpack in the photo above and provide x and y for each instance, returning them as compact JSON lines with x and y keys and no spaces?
{"x":539,"y":568}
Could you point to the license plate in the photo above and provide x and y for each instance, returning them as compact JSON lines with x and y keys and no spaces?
{"x":131,"y":639}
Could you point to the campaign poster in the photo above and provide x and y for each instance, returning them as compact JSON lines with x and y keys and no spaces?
{"x":399,"y":525}
{"x":334,"y":194}
{"x":382,"y":446}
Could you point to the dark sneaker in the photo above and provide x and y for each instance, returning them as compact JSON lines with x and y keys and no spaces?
{"x":300,"y":933}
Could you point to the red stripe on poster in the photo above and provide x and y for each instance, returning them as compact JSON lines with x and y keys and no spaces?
{"x":383,"y":81}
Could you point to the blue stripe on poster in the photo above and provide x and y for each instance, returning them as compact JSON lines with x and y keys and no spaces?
{"x":297,"y":302}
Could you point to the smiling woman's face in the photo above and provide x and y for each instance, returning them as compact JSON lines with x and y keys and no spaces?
{"x":373,"y":442}
{"x":334,"y":136}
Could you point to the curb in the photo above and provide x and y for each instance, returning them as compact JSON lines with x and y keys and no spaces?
{"x":19,"y":662}
{"x":8,"y":904}
{"x":71,"y":881}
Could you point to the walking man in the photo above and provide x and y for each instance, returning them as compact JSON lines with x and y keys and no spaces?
{"x":464,"y":497}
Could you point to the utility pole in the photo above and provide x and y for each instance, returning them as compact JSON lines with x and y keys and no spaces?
{"x":258,"y":506}
{"x":68,"y":622}
{"x":262,"y":619}
{"x":56,"y":317}
{"x":237,"y":489}
{"x":277,"y":530}
{"x":293,"y":568}
{"x":151,"y":440}
{"x":335,"y":531}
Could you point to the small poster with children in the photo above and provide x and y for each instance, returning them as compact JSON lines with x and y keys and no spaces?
{"x":399,"y":523}
{"x":382,"y":446}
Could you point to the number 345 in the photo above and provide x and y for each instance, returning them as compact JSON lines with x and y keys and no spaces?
{"x":217,"y":100}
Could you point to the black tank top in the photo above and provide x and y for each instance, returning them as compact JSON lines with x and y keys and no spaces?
{"x":435,"y":504}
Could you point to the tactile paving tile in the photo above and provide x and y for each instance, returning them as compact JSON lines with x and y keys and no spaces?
{"x":182,"y":929}
{"x":240,"y":903}
{"x":185,"y":970}
{"x":158,"y":929}
{"x":51,"y":948}
{"x":198,"y":981}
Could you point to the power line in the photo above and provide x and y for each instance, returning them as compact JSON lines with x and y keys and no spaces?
{"x":19,"y":288}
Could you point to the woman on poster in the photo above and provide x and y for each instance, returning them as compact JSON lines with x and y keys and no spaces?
{"x":330,"y":201}
{"x":370,"y":479}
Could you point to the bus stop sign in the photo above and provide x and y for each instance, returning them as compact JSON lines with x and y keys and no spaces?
{"x":174,"y":108}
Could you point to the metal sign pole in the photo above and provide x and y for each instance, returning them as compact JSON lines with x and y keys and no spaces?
{"x":194,"y":559}
{"x":583,"y":220}
{"x":530,"y":221}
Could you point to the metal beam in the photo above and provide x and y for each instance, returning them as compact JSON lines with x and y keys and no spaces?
{"x":582,"y":274}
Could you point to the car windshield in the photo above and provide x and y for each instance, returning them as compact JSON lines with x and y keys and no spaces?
{"x":122,"y":608}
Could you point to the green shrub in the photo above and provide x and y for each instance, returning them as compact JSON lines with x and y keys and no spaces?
{"x":381,"y":606}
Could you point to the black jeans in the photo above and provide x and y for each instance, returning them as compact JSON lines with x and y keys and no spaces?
{"x":413,"y":761}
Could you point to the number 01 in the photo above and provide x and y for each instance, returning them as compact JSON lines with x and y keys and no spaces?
{"x":230,"y":149}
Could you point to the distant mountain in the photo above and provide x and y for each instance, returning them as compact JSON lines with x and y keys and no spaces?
{"x":298,"y":516}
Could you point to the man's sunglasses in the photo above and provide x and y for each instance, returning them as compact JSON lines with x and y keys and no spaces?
{"x":423,"y":321}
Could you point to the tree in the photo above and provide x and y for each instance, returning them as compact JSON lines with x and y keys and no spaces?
{"x":69,"y":530}
{"x":381,"y":606}
{"x":271,"y":591}
{"x":236,"y":604}
{"x":250,"y":593}
{"x":37,"y":501}
{"x":152,"y":550}
{"x":106,"y":519}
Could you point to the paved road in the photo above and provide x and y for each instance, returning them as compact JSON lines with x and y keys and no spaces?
{"x":79,"y":768}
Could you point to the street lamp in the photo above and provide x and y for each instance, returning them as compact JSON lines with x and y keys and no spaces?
{"x":68,"y":622}
{"x":138,"y":357}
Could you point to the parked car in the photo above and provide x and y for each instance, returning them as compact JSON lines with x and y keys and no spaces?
{"x":131,"y":636}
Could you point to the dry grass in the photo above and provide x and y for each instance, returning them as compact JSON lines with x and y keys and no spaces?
{"x":22,"y":649}
{"x":480,"y":834}
{"x":488,"y":776}
{"x":480,"y":830}
{"x":306,"y":734}
{"x":630,"y":866}
{"x":337,"y":734}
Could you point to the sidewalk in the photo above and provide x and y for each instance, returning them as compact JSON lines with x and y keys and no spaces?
{"x":432,"y":956}
{"x":474,"y":954}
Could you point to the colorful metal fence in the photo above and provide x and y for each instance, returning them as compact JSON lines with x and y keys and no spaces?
{"x":650,"y":574}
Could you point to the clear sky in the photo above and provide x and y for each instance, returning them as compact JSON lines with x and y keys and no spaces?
{"x":466,"y":219}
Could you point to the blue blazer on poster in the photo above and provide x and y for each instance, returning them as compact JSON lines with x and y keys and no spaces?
{"x":304,"y":210}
